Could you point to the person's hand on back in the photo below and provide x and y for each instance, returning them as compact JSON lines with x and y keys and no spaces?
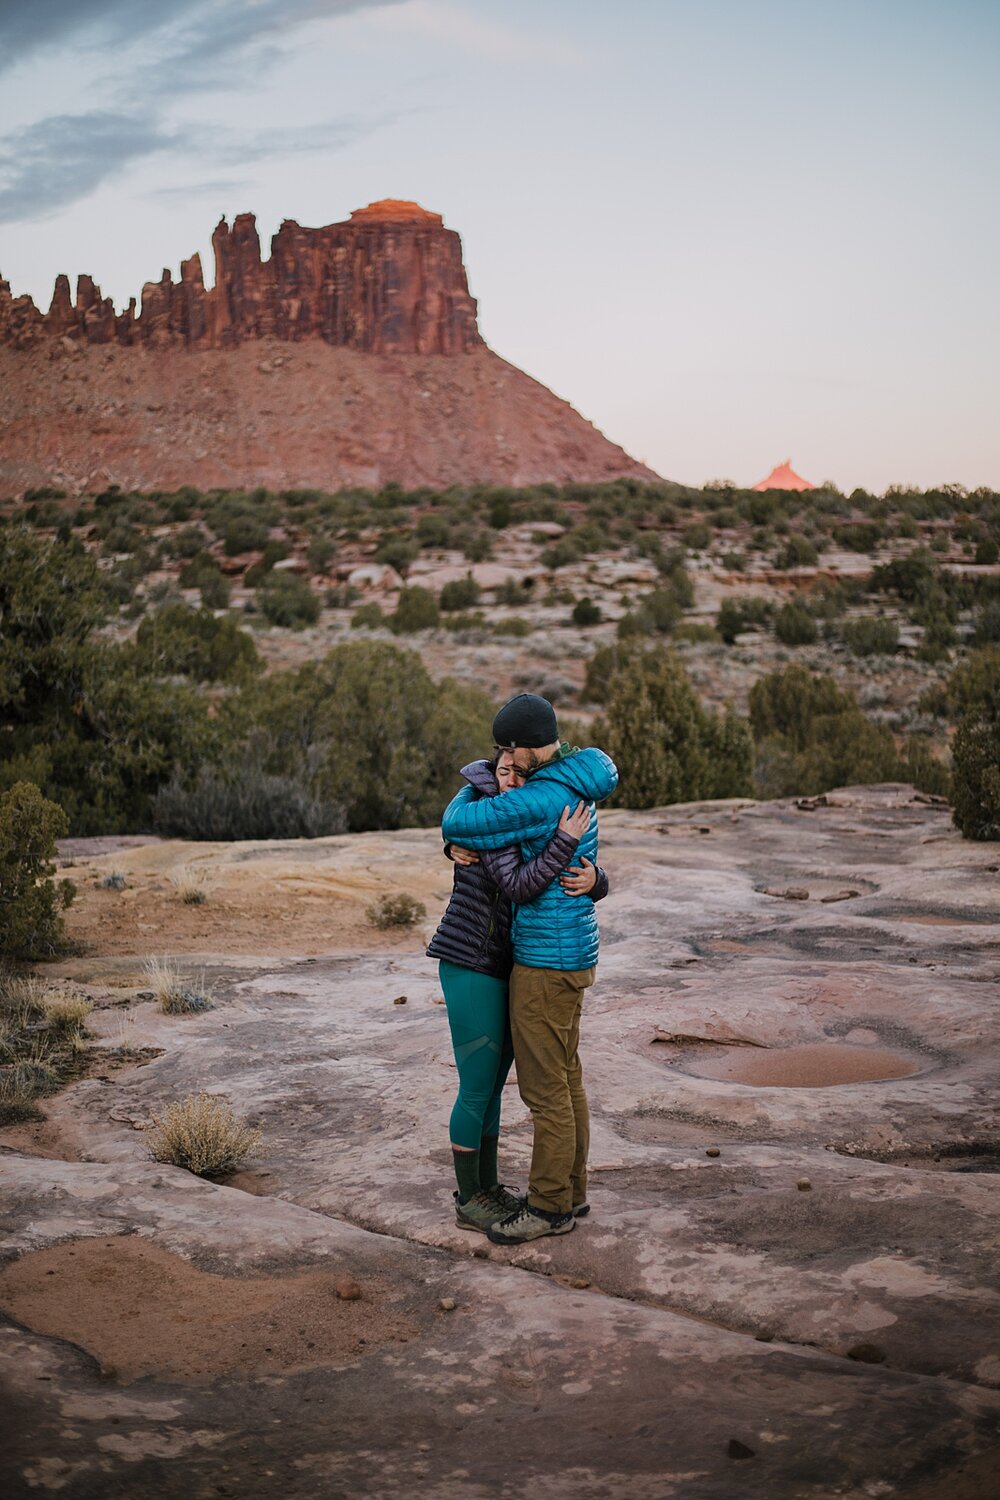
{"x":575,"y":821}
{"x":579,"y":879}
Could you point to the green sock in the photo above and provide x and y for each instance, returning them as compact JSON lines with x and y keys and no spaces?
{"x":466,"y":1174}
{"x":489,"y":1175}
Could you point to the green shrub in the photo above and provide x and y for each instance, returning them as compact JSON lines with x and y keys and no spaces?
{"x":396,"y":911}
{"x":215,"y":590}
{"x":910,"y":577}
{"x":586,"y":612}
{"x":460,"y":593}
{"x":698,"y":632}
{"x":975,"y":792}
{"x":368,"y":729}
{"x":797,"y":552}
{"x":667,"y":747}
{"x":320,"y":553}
{"x":417,"y":609}
{"x":244,"y":533}
{"x":368,"y":617}
{"x":466,"y":622}
{"x":987,"y":551}
{"x":810,"y":736}
{"x":871,"y":636}
{"x":31,"y":904}
{"x":514,"y":626}
{"x":862,"y":536}
{"x":794,"y":625}
{"x":697,"y":536}
{"x":399,"y":552}
{"x":195,"y":643}
{"x":987,"y":631}
{"x":288,"y":601}
{"x":737,"y":615}
{"x":973,"y":688}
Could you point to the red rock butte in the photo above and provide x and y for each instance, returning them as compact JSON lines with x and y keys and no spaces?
{"x":784,"y":477}
{"x":352,"y":355}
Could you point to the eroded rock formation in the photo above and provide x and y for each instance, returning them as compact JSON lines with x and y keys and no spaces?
{"x":389,"y":280}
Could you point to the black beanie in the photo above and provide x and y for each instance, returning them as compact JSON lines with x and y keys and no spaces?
{"x":528,"y":721}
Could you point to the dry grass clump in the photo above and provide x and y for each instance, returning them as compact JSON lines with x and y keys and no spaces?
{"x":191,"y":885}
{"x":40,"y":1043}
{"x":68,"y":1014}
{"x":202,"y":1134}
{"x":175,"y":995}
{"x":114,"y":882}
{"x":395,"y":911}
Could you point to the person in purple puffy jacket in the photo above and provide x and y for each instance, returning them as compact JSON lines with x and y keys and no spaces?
{"x":473,"y":947}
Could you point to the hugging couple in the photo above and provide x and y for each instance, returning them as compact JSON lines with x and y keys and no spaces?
{"x":517,"y":948}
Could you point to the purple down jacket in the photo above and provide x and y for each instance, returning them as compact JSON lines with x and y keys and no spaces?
{"x":474,"y":932}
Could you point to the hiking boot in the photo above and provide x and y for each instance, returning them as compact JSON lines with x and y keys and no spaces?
{"x":507,"y":1202}
{"x":529,"y":1224}
{"x":478,"y":1212}
{"x":581,"y":1210}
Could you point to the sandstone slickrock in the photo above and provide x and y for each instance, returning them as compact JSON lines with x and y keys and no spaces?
{"x":845,"y":1336}
{"x":160,"y":395}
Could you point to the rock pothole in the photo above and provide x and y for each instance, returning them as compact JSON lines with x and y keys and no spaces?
{"x":810,"y":1065}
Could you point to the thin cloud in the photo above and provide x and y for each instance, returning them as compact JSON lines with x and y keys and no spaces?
{"x":458,"y":26}
{"x":59,"y":160}
{"x":30,"y":26}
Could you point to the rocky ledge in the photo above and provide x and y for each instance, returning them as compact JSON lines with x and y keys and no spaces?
{"x":787,"y":1283}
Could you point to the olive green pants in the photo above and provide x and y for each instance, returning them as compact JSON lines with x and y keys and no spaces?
{"x":545,"y":1006}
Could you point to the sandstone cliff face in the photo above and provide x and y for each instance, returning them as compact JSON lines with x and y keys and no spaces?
{"x":388,"y":280}
{"x":351,"y":357}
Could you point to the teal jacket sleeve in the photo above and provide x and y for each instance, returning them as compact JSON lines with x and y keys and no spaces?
{"x":491,"y":822}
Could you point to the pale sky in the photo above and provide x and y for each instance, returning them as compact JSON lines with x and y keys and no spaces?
{"x":728,"y":231}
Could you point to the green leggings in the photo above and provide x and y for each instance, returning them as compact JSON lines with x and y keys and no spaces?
{"x":480,"y":1035}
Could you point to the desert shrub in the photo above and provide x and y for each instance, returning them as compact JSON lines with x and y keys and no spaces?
{"x":697,"y":632}
{"x":417,"y":609}
{"x":466,"y":622}
{"x":909,"y":578}
{"x":399,"y":552}
{"x":242,"y":800}
{"x":433,"y":530}
{"x":987,"y":551}
{"x":733,"y":562}
{"x":369,"y":730}
{"x":797,"y":552}
{"x":460,"y":593}
{"x":973,"y":688}
{"x":244,"y":532}
{"x":871,"y":636}
{"x":475,"y":542}
{"x":736,"y":615}
{"x":514,"y":591}
{"x":514,"y":626}
{"x":342,"y":596}
{"x":395,"y":911}
{"x":189,"y":542}
{"x":195,"y":643}
{"x":214,"y":588}
{"x":586,"y":612}
{"x":288,"y":601}
{"x":115,"y":881}
{"x":975,"y":790}
{"x":794,"y":625}
{"x":368,"y":617}
{"x":987,"y":628}
{"x":860,"y":536}
{"x":602,"y":668}
{"x":697,"y":536}
{"x":31,"y":903}
{"x":810,"y":736}
{"x":320,"y":553}
{"x":202,"y":1134}
{"x":41,"y":1043}
{"x":667,"y":747}
{"x":191,"y":885}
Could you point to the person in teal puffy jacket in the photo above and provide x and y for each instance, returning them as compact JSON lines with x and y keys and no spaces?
{"x":555,"y":940}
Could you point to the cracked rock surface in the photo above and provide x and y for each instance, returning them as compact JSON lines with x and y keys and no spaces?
{"x":811,"y":1310}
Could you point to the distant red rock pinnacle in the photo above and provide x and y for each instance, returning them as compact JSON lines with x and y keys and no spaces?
{"x":784,"y":477}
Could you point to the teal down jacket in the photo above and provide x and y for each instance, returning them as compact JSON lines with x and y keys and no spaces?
{"x":555,"y":931}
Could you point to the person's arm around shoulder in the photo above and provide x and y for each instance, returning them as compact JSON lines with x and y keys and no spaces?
{"x":491,"y":822}
{"x":521,"y":881}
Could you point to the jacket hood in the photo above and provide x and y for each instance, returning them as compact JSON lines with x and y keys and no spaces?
{"x":590,"y":773}
{"x":479,"y":774}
